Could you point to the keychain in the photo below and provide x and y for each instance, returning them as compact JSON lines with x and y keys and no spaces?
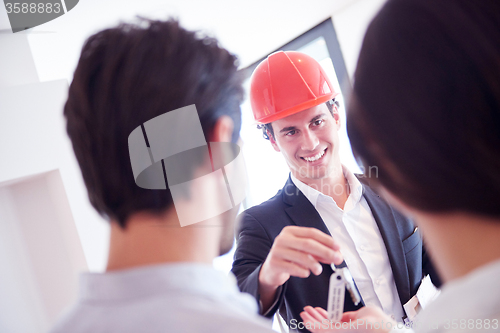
{"x":340,"y":280}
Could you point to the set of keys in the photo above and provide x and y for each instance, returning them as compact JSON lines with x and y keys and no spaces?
{"x":340,"y":280}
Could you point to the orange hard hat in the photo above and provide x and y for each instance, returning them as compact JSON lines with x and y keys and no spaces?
{"x":286,"y":83}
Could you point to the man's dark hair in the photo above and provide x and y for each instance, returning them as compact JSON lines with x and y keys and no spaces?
{"x":128,"y":75}
{"x":426,"y":104}
{"x":268,"y":128}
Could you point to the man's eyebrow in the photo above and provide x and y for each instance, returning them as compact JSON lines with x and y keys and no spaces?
{"x":289,"y":128}
{"x":317,"y":117}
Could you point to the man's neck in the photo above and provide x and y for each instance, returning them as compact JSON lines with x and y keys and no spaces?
{"x":335,"y":186}
{"x":150,"y":240}
{"x":460,"y":242}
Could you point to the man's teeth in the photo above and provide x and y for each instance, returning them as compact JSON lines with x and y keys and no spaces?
{"x":315,"y":157}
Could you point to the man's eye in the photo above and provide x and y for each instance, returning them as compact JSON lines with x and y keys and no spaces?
{"x":318,"y":122}
{"x":290,"y":133}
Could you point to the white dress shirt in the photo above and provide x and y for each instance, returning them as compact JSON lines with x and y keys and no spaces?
{"x":183,"y":297}
{"x":361,"y":244}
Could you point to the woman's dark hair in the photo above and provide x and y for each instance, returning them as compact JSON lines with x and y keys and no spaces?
{"x":128,"y":75}
{"x":426,"y":104}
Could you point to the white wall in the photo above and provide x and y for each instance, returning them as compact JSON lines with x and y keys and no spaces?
{"x":40,"y":253}
{"x":350,"y":24}
{"x":45,"y":216}
{"x":33,"y":140}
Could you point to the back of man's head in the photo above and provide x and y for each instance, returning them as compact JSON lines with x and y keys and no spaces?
{"x":128,"y":75}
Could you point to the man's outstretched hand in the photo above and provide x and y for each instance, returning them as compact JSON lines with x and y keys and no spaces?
{"x":363,"y":320}
{"x":296,"y":251}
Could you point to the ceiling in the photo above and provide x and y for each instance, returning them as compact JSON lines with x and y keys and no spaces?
{"x":250,"y":29}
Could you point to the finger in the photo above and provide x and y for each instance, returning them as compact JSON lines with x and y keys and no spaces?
{"x":310,"y":246}
{"x":291,"y":268}
{"x":318,"y":235}
{"x":311,"y":241}
{"x":349,"y":316}
{"x":299,"y":258}
{"x":314,"y":313}
{"x":307,"y":319}
{"x":322,"y":311}
{"x":337,"y":260}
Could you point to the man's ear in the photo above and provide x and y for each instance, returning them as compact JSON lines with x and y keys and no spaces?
{"x":273,"y":142}
{"x":336,"y":115}
{"x":223,"y":130}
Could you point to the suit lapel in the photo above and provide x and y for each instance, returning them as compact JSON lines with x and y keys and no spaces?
{"x":301,"y":210}
{"x":389,"y":231}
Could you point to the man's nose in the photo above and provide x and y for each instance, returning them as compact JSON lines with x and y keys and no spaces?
{"x":310,"y":141}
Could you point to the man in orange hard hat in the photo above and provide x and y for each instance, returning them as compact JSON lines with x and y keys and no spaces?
{"x":285,"y":239}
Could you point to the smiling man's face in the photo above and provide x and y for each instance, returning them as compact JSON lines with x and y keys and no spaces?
{"x":309,"y":142}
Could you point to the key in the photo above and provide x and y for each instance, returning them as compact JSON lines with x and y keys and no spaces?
{"x":336,"y":294}
{"x":340,"y":280}
{"x":351,"y":288}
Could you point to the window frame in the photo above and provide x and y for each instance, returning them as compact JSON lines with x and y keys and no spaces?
{"x":326,"y":30}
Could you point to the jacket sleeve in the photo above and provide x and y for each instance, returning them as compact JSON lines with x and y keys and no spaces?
{"x":252,"y":247}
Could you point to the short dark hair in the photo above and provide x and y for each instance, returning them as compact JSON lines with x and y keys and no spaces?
{"x":128,"y":75}
{"x":426,"y":104}
{"x":268,"y":128}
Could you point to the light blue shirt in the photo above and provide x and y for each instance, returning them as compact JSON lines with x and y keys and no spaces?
{"x":181,"y":297}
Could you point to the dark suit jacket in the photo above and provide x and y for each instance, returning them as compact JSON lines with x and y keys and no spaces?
{"x":261,"y":224}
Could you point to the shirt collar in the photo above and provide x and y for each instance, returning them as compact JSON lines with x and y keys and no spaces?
{"x":313,"y":195}
{"x":354,"y":185}
{"x":310,"y":193}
